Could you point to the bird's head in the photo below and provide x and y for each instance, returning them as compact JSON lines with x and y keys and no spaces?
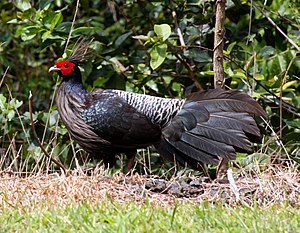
{"x":63,"y":68}
{"x":68,"y":69}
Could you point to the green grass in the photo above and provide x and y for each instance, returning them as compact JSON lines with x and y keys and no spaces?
{"x":183,"y":216}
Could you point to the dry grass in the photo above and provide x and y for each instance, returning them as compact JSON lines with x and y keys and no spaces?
{"x":274,"y":185}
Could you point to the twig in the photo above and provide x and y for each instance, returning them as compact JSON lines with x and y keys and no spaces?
{"x":289,"y":107}
{"x":30,"y":100}
{"x":233,"y":186}
{"x":277,"y":139}
{"x":5,"y":72}
{"x":58,"y":163}
{"x":19,"y":115}
{"x":50,"y":109}
{"x":250,"y":22}
{"x":280,"y":97}
{"x":180,"y":36}
{"x":72,"y":25}
{"x":278,"y":29}
{"x":190,"y":71}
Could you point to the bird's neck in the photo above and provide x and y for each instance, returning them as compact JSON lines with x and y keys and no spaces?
{"x":72,"y":84}
{"x":74,"y":77}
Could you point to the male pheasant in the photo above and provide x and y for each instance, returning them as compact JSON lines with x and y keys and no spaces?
{"x":202,"y":128}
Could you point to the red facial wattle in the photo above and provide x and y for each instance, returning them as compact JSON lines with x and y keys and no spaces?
{"x":65,"y":67}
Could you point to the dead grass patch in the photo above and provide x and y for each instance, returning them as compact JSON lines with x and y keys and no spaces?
{"x":274,"y":185}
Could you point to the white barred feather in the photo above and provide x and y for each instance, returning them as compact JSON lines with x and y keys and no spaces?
{"x":159,"y":110}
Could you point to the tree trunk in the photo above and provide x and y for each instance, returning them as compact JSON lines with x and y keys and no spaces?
{"x":219,"y":44}
{"x":218,"y":68}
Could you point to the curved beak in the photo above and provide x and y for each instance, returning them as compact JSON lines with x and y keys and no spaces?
{"x":53,"y":68}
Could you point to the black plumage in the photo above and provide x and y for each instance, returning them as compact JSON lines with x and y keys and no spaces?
{"x":204,"y":127}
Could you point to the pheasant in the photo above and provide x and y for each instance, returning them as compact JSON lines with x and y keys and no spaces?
{"x":200,"y":129}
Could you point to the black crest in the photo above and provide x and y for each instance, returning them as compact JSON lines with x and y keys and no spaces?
{"x":81,"y":52}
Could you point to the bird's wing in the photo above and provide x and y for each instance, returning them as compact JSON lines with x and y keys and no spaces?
{"x":115,"y":120}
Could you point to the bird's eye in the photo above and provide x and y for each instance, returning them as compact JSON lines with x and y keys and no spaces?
{"x":66,"y":65}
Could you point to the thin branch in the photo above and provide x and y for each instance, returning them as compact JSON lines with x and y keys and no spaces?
{"x":281,"y":86}
{"x":30,"y":98}
{"x":277,"y":139}
{"x":58,"y":163}
{"x":250,"y":22}
{"x":19,"y":115}
{"x":190,"y":71}
{"x":49,"y":111}
{"x":289,"y":107}
{"x":174,"y":15}
{"x":278,"y":29}
{"x":233,"y":186}
{"x":5,"y":72}
{"x":72,"y":25}
{"x":199,"y":47}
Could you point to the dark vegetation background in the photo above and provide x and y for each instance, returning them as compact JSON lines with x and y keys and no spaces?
{"x":131,"y":53}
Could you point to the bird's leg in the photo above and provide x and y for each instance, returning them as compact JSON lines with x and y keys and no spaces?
{"x":130,"y":161}
{"x":110,"y":160}
{"x":222,"y":170}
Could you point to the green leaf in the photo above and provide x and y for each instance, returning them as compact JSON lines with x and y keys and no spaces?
{"x":198,"y":55}
{"x":15,"y":103}
{"x":230,"y":47}
{"x":259,"y":77}
{"x":84,"y":29}
{"x":2,"y":102}
{"x":267,"y":51}
{"x":52,"y":117}
{"x":25,"y":15}
{"x":62,"y":131}
{"x":239,"y":73}
{"x":121,"y":39}
{"x":288,"y":84}
{"x":282,"y":62}
{"x":13,"y":21}
{"x":292,"y":136}
{"x":64,"y":27}
{"x":45,"y":4}
{"x":10,"y":115}
{"x":162,"y":30}
{"x":176,"y":87}
{"x":57,"y":19}
{"x":158,"y":54}
{"x":209,"y":72}
{"x":45,"y":35}
{"x":29,"y":32}
{"x":19,"y":30}
{"x":294,"y":123}
{"x":22,"y":5}
{"x":141,"y":37}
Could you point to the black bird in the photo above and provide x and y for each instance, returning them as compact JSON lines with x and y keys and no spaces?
{"x":202,"y":128}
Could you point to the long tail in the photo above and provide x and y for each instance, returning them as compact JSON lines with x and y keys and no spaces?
{"x":211,"y":124}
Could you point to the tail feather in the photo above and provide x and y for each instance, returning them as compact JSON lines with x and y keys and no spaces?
{"x":187,"y":119}
{"x":207,"y":145}
{"x":227,"y":100}
{"x":233,"y":120}
{"x":211,"y":124}
{"x":194,"y":153}
{"x":170,"y":153}
{"x":230,"y":136}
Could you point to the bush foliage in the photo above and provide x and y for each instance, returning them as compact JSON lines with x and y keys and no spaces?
{"x":160,"y":48}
